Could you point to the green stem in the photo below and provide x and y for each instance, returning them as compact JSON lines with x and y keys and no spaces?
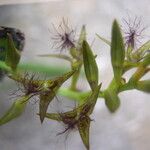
{"x":129,"y":65}
{"x":140,"y":72}
{"x":42,"y":68}
{"x":76,"y":95}
{"x":125,"y":87}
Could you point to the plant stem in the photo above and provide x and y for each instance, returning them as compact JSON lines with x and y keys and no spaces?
{"x":76,"y":95}
{"x":42,"y":68}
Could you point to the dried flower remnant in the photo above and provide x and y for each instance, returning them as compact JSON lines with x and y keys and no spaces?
{"x":78,"y":117}
{"x":72,"y":120}
{"x":69,"y":120}
{"x":133,"y":31}
{"x":28,"y":84}
{"x":63,"y":36}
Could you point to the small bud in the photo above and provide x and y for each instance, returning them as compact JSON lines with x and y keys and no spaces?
{"x":90,"y":66}
{"x":117,"y":51}
{"x":82,"y":37}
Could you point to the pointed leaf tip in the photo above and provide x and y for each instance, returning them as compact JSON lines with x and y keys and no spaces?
{"x":15,"y":110}
{"x":90,"y":65}
{"x":12,"y":54}
{"x":117,"y":51}
{"x":84,"y":129}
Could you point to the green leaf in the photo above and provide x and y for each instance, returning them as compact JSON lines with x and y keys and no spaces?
{"x":84,"y":127}
{"x":143,"y":86}
{"x":82,"y":36}
{"x":53,"y":116}
{"x":45,"y":100}
{"x":51,"y":87}
{"x":104,"y":40}
{"x":90,"y":66}
{"x":89,"y":103}
{"x":117,"y":51}
{"x":12,"y":54}
{"x":76,"y":52}
{"x":15,"y":110}
{"x":112,"y":100}
{"x":59,"y":116}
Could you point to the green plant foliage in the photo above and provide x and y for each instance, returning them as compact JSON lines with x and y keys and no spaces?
{"x":79,"y":116}
{"x":15,"y":110}
{"x":12,"y":54}
{"x":117,"y":51}
{"x":90,"y":66}
{"x":84,"y":127}
{"x":124,"y":56}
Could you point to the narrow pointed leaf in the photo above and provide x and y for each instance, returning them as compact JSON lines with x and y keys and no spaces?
{"x":104,"y":40}
{"x":52,"y":87}
{"x":90,"y":66}
{"x":76,"y":52}
{"x":59,"y":116}
{"x":144,"y":47}
{"x":117,"y":51}
{"x":112,"y":100}
{"x":15,"y":110}
{"x":89,"y":103}
{"x":45,"y":100}
{"x":12,"y":54}
{"x":82,"y":36}
{"x":60,"y":80}
{"x":53,"y":116}
{"x":141,"y":70}
{"x":84,"y":127}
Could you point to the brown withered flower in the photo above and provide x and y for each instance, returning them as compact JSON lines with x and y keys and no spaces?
{"x":79,"y":117}
{"x":45,"y":89}
{"x":28,"y":84}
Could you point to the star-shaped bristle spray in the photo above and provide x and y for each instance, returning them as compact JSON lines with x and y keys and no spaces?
{"x":45,"y":89}
{"x":78,"y":117}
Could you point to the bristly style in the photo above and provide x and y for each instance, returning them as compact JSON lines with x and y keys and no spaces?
{"x":28,"y":85}
{"x":133,"y":31}
{"x":63,"y":36}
